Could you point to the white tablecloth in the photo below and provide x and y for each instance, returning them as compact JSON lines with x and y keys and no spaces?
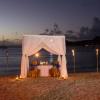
{"x":44,"y":70}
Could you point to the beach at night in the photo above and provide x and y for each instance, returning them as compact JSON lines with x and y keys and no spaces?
{"x":49,"y":49}
{"x":81,"y":86}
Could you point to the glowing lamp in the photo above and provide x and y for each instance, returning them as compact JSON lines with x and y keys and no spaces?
{"x":17,"y":77}
{"x":37,"y":55}
{"x":73,"y":52}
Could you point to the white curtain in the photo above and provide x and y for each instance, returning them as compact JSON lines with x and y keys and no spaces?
{"x":32,"y":44}
{"x":63,"y":68}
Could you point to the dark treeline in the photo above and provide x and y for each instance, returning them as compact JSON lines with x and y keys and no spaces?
{"x":84,"y":33}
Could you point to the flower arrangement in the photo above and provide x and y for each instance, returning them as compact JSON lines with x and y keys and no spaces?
{"x":54,"y":72}
{"x":34,"y":73}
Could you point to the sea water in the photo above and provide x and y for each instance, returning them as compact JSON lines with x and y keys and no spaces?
{"x":85,"y":60}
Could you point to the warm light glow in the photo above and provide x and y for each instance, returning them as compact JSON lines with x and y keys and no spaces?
{"x":37,"y":55}
{"x":17,"y":77}
{"x":97,"y":51}
{"x":51,"y":40}
{"x":73,"y":52}
{"x":62,"y":77}
{"x":43,"y":62}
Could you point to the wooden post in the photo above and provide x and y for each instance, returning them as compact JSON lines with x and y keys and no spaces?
{"x":7,"y":58}
{"x":97,"y":51}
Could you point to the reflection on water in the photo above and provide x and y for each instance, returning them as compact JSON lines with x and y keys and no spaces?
{"x":85,"y":60}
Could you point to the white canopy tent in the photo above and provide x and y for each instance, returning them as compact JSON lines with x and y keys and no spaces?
{"x":31,"y":44}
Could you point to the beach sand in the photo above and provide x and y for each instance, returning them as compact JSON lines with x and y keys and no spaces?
{"x":79,"y":86}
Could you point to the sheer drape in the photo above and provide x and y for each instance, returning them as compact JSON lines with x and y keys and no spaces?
{"x":32,"y":44}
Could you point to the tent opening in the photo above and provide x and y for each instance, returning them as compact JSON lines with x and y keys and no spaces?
{"x":45,"y":58}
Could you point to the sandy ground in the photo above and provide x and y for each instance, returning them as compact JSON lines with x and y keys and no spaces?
{"x":80,"y":86}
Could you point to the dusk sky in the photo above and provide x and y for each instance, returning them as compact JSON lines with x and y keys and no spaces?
{"x":37,"y":15}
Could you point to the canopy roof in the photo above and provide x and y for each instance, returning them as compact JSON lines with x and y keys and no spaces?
{"x":53,"y":44}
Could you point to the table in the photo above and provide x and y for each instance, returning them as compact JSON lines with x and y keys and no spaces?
{"x":44,"y":70}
